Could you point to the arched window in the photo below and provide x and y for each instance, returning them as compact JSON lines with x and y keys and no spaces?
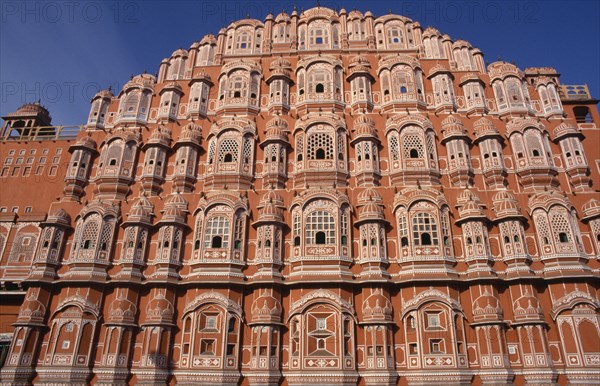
{"x":320,"y":228}
{"x":582,"y":114}
{"x":217,"y":232}
{"x":563,"y":238}
{"x":319,"y":89}
{"x":320,"y":154}
{"x":216,"y":242}
{"x":425,"y":229}
{"x":228,"y":158}
{"x":414,"y":153}
{"x":320,"y":238}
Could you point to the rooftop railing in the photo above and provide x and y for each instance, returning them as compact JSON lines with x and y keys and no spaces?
{"x":574,"y":92}
{"x":41,"y":133}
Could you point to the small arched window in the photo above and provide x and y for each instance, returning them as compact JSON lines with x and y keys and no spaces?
{"x":404,"y":242}
{"x":414,"y":153}
{"x":425,"y":239}
{"x":217,"y":242}
{"x":563,"y":238}
{"x":320,"y":88}
{"x":87,"y":244}
{"x":228,"y":158}
{"x":320,"y":238}
{"x":297,"y":241}
{"x":320,"y":154}
{"x":535,"y":153}
{"x":402,"y":90}
{"x":197,"y":244}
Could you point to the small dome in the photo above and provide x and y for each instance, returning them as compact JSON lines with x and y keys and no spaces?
{"x":160,"y":136}
{"x":103,"y":94}
{"x":567,"y":129}
{"x":438,"y":69}
{"x":355,"y":14}
{"x":190,"y":133}
{"x":141,"y":211}
{"x":505,"y":205}
{"x":461,"y":43}
{"x":32,"y":109}
{"x":277,"y":129}
{"x":369,"y":195}
{"x":266,"y":309}
{"x":359,"y":60}
{"x":270,"y":207}
{"x":280,"y":63}
{"x":32,"y":311}
{"x":280,"y":68}
{"x":175,"y":209}
{"x":377,"y":308}
{"x":483,"y":127}
{"x":591,"y":209}
{"x":86,"y":142}
{"x":470,"y":77}
{"x":121,"y":310}
{"x":208,"y":39}
{"x":180,"y":52}
{"x":365,"y":126}
{"x":430,"y":31}
{"x":487,"y":308}
{"x":370,"y":211}
{"x":159,"y":309}
{"x":172,"y":86}
{"x":201,"y":75}
{"x":469,"y":205}
{"x":527,"y":307}
{"x":59,"y":217}
{"x":453,"y":127}
{"x":282,"y":17}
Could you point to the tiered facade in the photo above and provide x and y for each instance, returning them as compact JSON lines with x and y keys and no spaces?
{"x":320,"y":198}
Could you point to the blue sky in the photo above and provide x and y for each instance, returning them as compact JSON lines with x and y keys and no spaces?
{"x":62,"y":51}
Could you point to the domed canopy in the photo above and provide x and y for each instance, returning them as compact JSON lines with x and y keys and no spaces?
{"x":369,"y":195}
{"x":484,"y":128}
{"x":469,"y":206}
{"x":179,"y":52}
{"x":160,"y":136}
{"x":487,"y":308}
{"x":280,"y":68}
{"x":159,"y":309}
{"x":270,"y":208}
{"x":453,"y":128}
{"x":266,"y":309}
{"x":175,"y":210}
{"x":58,"y":217}
{"x":365,"y":128}
{"x":85,"y":143}
{"x":567,"y":129}
{"x":32,"y":311}
{"x":377,"y":308}
{"x":141,"y":212}
{"x":277,"y":130}
{"x":370,"y":207}
{"x":591,"y":209}
{"x":191,"y":134}
{"x":359,"y":65}
{"x":103,"y":94}
{"x":121,"y":311}
{"x":438,"y":69}
{"x":505,"y":205}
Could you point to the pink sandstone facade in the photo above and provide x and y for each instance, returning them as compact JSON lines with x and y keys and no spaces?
{"x":317,"y":198}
